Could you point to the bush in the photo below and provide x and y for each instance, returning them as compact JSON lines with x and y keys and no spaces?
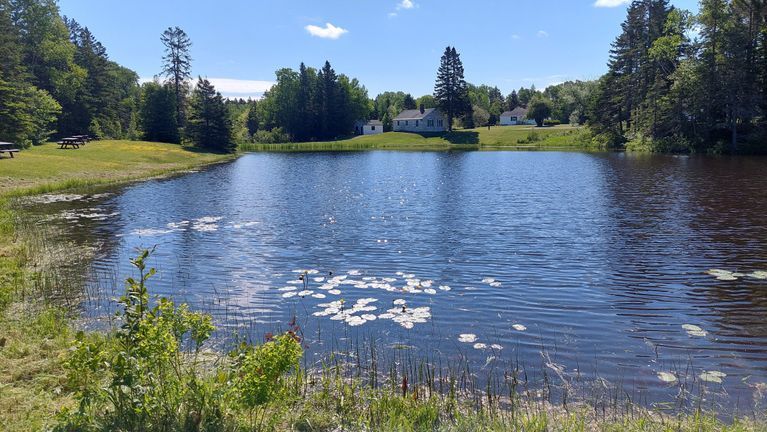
{"x":532,"y":137}
{"x":149,"y":376}
{"x":274,"y":136}
{"x":552,"y":122}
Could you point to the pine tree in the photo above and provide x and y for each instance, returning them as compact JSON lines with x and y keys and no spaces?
{"x":409,"y":102}
{"x":252,"y":120}
{"x":451,"y":91}
{"x":177,"y":65}
{"x":209,"y":124}
{"x":512,"y":101}
{"x":158,"y":113}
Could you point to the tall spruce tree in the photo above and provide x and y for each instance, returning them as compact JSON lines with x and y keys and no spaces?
{"x":209,"y":124}
{"x":177,"y":65}
{"x":451,"y":91}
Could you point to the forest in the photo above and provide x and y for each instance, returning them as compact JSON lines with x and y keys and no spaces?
{"x":676,"y":82}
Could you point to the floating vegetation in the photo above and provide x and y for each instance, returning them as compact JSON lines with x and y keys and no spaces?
{"x":496,"y":347}
{"x":694,"y":331}
{"x":712,"y":376}
{"x":444,"y":288}
{"x":92,"y":214}
{"x":206,"y":224}
{"x":726,"y":275}
{"x":289,"y":294}
{"x":467,"y":338}
{"x":480,"y":346}
{"x":519,"y":327}
{"x":667,"y":377}
{"x":759,"y":274}
{"x":488,"y":281}
{"x":58,"y":198}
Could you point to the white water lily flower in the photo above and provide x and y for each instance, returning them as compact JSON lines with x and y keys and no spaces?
{"x":287,"y":288}
{"x":407,"y":324}
{"x":467,"y":338}
{"x":400,"y":302}
{"x":495,"y":284}
{"x":319,"y":296}
{"x":399,"y":273}
{"x":667,"y":377}
{"x":319,"y":279}
{"x":712,"y":376}
{"x":759,"y":274}
{"x":368,"y":300}
{"x":334,"y":292}
{"x":306,"y":293}
{"x":488,"y":280}
{"x":480,"y":346}
{"x":289,"y":294}
{"x":427,"y":283}
{"x":444,"y":288}
{"x":693,"y":330}
{"x":369,"y":317}
{"x":386,"y":315}
{"x":519,"y":327}
{"x":354,"y":272}
{"x":389,"y":280}
{"x":431,"y":291}
{"x":496,"y":347}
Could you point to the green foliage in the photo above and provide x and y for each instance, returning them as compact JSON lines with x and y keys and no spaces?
{"x":451,"y":91}
{"x":539,"y":110}
{"x":209,"y":125}
{"x":149,"y":375}
{"x":158,"y":113}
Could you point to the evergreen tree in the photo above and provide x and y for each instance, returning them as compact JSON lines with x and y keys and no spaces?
{"x":512,"y":101}
{"x":409,"y":102}
{"x":209,"y":125}
{"x":251,"y":122}
{"x":158,"y":113}
{"x":451,"y":91}
{"x":177,"y":65}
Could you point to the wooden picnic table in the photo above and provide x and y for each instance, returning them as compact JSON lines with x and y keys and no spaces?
{"x":10,"y":148}
{"x":74,"y":142}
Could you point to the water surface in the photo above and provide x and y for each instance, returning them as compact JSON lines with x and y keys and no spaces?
{"x":590,"y":263}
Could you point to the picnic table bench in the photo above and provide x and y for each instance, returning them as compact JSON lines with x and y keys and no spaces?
{"x":10,"y":148}
{"x":74,"y":142}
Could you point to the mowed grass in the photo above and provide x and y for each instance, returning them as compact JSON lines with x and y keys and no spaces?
{"x":497,"y":137}
{"x":97,"y":162}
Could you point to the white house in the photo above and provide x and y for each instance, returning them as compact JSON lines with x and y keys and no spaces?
{"x":370,"y":127}
{"x":517,"y":116}
{"x":420,"y":120}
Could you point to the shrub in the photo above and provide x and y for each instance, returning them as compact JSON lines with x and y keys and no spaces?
{"x":148,"y":374}
{"x":274,"y":136}
{"x":552,"y":122}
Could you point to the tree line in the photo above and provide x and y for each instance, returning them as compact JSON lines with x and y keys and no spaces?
{"x":684,"y":82}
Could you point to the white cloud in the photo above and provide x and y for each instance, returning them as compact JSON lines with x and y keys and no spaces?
{"x":610,"y":3}
{"x":543,"y":34}
{"x":516,"y":37}
{"x":233,"y":88}
{"x":406,"y":4}
{"x":328,"y":32}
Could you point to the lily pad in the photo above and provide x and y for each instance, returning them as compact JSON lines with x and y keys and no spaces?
{"x":467,"y":338}
{"x":712,"y":376}
{"x":667,"y":377}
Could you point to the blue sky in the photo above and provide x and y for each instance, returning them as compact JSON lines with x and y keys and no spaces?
{"x":386,"y":44}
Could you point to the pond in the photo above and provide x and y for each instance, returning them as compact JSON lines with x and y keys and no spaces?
{"x":648,"y":271}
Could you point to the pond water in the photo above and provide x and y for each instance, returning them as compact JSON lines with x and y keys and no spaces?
{"x":582,"y":264}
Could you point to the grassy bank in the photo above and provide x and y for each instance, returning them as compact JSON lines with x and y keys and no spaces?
{"x":35,"y":338}
{"x":495,"y":138}
{"x":48,"y":167}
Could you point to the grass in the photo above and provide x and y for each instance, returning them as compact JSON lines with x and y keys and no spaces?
{"x":495,"y":138}
{"x":47,"y":167}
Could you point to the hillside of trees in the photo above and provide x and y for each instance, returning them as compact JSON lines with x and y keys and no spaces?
{"x":676,"y":82}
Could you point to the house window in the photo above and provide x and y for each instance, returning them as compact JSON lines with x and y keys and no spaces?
{"x":416,"y":123}
{"x":439,"y":123}
{"x":397,"y":122}
{"x":514,"y":119}
{"x":372,"y":128}
{"x":406,"y":122}
{"x":430,"y":123}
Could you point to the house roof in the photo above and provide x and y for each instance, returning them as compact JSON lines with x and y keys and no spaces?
{"x":414,"y":114}
{"x":516,"y":112}
{"x":374,"y":123}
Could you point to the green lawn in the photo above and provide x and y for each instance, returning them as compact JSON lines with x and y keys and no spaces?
{"x":48,"y":166}
{"x":497,"y":137}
